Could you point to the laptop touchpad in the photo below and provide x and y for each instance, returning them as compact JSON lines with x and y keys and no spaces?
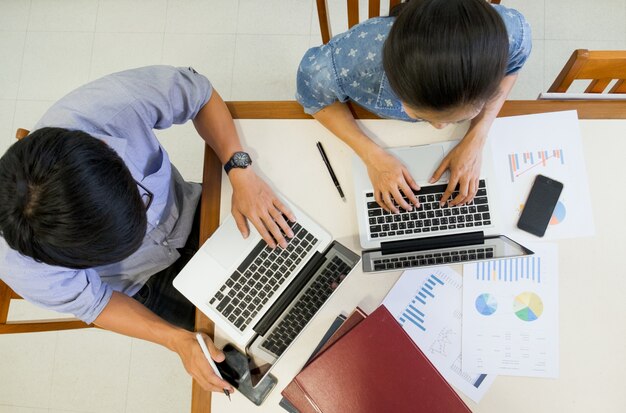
{"x":420,"y":160}
{"x":227,"y":245}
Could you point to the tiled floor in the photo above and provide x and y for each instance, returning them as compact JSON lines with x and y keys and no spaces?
{"x":250,"y":50}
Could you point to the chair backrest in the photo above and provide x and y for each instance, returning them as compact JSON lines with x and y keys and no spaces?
{"x":601,"y":67}
{"x":29,"y":326}
{"x":373,"y":10}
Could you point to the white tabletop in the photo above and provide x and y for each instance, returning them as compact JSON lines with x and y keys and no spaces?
{"x":592,"y":280}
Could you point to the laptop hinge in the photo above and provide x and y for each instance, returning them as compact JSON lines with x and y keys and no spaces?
{"x":289,"y":294}
{"x":441,"y":241}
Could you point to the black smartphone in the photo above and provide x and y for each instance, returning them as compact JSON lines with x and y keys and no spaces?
{"x":539,"y":206}
{"x":237,"y":369}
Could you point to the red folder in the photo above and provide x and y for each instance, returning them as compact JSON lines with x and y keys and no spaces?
{"x":374,"y":368}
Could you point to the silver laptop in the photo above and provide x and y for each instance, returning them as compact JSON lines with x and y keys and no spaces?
{"x":262,"y":298}
{"x":429,"y":235}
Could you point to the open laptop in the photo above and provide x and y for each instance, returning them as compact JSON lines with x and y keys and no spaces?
{"x":429,"y":235}
{"x":263,"y":298}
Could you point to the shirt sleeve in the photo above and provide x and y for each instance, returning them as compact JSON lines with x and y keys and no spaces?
{"x":317,"y":85}
{"x":165,"y":95}
{"x":78,"y":292}
{"x":152,"y":97}
{"x":520,"y":39}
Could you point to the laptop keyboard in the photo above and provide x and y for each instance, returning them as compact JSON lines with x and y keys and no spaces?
{"x":421,"y":260}
{"x":258,"y":277}
{"x":305,"y":308}
{"x":429,"y":217}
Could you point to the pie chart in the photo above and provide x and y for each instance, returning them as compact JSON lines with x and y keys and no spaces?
{"x":559,"y":214}
{"x":486,"y":304}
{"x":527,"y":306}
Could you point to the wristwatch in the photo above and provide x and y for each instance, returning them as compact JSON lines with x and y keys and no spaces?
{"x":238,"y":160}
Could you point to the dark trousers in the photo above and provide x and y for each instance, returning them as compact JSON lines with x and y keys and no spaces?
{"x":158,"y":293}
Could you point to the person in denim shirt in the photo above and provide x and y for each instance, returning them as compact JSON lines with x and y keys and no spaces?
{"x":439,"y":61}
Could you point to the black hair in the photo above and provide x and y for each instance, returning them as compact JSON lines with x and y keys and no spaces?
{"x":68,"y":199}
{"x":446,"y":54}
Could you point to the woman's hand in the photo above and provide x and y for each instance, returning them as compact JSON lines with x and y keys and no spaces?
{"x":464,"y":162}
{"x":255,"y":201}
{"x":390,"y":180}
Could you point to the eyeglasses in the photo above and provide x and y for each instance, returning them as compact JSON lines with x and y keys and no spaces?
{"x":146,"y":195}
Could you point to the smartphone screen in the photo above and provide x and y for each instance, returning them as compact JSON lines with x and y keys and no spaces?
{"x":539,"y":206}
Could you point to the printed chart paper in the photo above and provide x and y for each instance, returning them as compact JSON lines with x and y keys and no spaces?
{"x":549,"y":144}
{"x":510,"y":315}
{"x":427,"y":303}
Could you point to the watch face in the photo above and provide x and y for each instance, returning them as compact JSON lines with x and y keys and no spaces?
{"x":241,"y":160}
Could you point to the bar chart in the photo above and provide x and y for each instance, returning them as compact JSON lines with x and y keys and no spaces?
{"x":523,"y":162}
{"x":509,"y":269}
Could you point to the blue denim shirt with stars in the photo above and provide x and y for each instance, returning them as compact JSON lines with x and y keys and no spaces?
{"x":350,"y":66}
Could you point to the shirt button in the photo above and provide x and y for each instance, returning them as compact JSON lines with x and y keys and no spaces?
{"x":165,"y":243}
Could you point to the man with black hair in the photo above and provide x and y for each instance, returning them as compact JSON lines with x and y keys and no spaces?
{"x":96,"y":221}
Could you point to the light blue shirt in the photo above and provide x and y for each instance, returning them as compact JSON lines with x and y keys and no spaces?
{"x":350,"y":66}
{"x":122,"y":110}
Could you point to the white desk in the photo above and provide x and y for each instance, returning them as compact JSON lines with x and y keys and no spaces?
{"x":592,"y":280}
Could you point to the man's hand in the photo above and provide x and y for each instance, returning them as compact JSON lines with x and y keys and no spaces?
{"x":254,"y":200}
{"x":464,"y":162}
{"x":390,"y":180}
{"x":196,"y":363}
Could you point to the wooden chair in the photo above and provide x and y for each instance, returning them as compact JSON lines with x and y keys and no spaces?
{"x":373,"y":9}
{"x":29,"y":326}
{"x":601,"y":67}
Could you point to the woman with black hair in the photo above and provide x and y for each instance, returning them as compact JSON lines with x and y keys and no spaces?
{"x":438,"y":61}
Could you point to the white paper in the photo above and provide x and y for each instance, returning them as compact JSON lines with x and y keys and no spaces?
{"x":510,"y":315}
{"x":427,"y":303}
{"x":549,"y":144}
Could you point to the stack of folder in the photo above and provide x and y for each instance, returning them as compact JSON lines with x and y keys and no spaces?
{"x":370,"y":365}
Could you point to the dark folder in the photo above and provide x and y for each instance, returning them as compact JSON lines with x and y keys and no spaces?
{"x":374,"y":367}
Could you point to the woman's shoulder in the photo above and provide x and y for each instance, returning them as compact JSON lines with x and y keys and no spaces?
{"x":514,"y":20}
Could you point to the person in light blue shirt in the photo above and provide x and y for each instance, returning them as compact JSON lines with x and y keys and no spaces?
{"x":439,"y":61}
{"x":93,"y":213}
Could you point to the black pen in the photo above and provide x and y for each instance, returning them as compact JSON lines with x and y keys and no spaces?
{"x":330,"y":170}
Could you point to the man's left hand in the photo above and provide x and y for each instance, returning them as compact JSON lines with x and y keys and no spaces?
{"x":255,"y":201}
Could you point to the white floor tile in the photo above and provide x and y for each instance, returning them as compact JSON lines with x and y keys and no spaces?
{"x":12,"y":47}
{"x":114,"y":52}
{"x":54,"y":64}
{"x":202,"y":16}
{"x":21,"y":310}
{"x":14,"y":14}
{"x":557,"y":52}
{"x":131,"y":16}
{"x":17,"y":409}
{"x":7,"y":113}
{"x":157,"y":387}
{"x":90,"y":371}
{"x":530,"y":78}
{"x":63,"y":15}
{"x":274,"y":17}
{"x":28,"y":112}
{"x":585,"y":20}
{"x":265,"y":66}
{"x":27,"y":369}
{"x":185,"y":149}
{"x":210,"y":54}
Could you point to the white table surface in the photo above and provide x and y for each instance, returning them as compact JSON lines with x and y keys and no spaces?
{"x":592,"y":279}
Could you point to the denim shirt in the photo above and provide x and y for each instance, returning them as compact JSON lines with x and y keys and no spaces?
{"x":350,"y":66}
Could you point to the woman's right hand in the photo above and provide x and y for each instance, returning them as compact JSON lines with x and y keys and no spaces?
{"x":391,"y":180}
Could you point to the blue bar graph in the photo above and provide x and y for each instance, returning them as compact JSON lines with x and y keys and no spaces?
{"x":415,"y":312}
{"x":510,"y":269}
